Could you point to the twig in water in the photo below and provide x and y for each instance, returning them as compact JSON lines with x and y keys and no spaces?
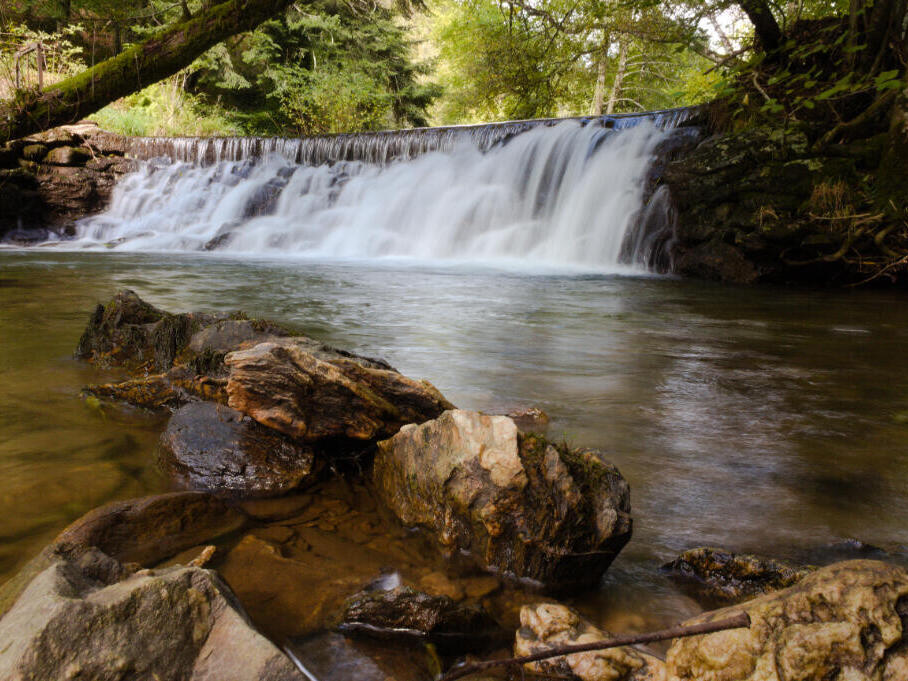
{"x":738,"y":621}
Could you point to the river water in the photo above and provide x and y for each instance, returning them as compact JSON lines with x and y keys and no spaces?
{"x":754,"y":419}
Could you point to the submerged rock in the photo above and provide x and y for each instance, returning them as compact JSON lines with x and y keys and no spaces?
{"x":734,"y":576}
{"x":516,"y":502}
{"x":211,"y":447}
{"x":84,"y":616}
{"x":847,"y":621}
{"x":404,"y":613}
{"x":547,"y":625}
{"x":316,"y":393}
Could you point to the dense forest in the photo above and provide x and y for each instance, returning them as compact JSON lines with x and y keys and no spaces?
{"x":330,"y":66}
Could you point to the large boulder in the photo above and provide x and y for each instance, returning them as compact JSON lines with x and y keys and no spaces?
{"x":723,"y":575}
{"x":544,"y":626}
{"x":86,"y":617}
{"x":516,"y":502}
{"x":844,"y":622}
{"x":315,"y":393}
{"x":210,"y":447}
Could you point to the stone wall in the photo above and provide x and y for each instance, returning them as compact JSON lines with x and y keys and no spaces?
{"x":49,"y":180}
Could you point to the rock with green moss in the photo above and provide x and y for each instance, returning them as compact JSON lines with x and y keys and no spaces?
{"x":518,"y":503}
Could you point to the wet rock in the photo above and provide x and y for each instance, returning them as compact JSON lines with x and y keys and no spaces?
{"x":404,"y":613}
{"x":847,"y":621}
{"x":86,"y":617}
{"x":546,"y":625}
{"x":516,"y":502}
{"x":315,"y":393}
{"x":717,"y":261}
{"x":152,"y":392}
{"x":150,"y":529}
{"x":211,"y":447}
{"x":725,"y":575}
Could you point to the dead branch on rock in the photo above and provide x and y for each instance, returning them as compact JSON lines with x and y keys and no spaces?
{"x":739,"y":621}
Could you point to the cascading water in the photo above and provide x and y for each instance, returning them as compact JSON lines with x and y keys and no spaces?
{"x":562,"y":194}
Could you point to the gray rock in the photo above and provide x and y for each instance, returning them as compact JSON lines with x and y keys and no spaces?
{"x":515,"y":502}
{"x":211,"y":447}
{"x":85,"y":617}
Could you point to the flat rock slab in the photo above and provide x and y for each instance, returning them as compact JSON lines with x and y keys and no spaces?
{"x":210,"y":447}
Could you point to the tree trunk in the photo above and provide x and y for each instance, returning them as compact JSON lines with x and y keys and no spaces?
{"x":892,"y":182}
{"x":599,"y":93}
{"x":619,"y":77}
{"x":163,"y":54}
{"x":765,"y":25}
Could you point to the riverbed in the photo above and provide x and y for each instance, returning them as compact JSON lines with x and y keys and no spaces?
{"x":756,"y":419}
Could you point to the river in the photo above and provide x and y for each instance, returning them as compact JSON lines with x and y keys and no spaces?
{"x":755,"y":419}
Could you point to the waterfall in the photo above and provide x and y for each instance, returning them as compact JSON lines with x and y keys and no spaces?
{"x":561,"y":193}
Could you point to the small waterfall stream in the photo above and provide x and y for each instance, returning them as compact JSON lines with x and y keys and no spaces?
{"x":549,"y":192}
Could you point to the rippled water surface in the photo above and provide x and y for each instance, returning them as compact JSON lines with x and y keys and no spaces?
{"x":755,"y":419}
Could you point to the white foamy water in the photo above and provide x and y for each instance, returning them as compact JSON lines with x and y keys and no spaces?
{"x":565,"y":195}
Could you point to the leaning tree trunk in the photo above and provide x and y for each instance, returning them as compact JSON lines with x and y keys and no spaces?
{"x":163,"y":54}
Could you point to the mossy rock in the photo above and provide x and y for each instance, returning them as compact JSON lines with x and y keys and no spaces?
{"x":34,"y":153}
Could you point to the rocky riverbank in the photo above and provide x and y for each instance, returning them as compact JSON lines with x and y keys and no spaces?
{"x":335,"y":511}
{"x":49,"y":180}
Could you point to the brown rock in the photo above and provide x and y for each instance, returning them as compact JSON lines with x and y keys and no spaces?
{"x":150,"y":529}
{"x":515,"y":502}
{"x":546,"y":625}
{"x":315,"y":393}
{"x":847,"y":621}
{"x":214,"y":448}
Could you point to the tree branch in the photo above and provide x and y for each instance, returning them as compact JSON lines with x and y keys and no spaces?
{"x":738,"y":621}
